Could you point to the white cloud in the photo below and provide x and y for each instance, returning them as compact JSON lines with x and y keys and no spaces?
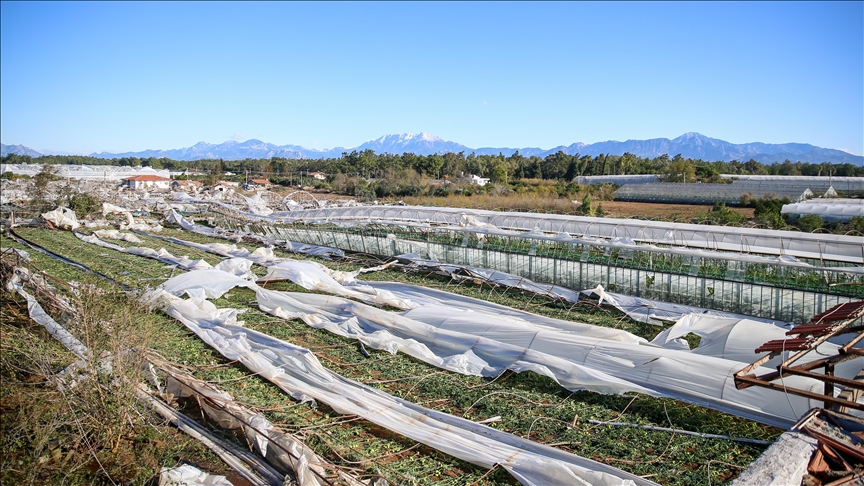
{"x":485,"y":103}
{"x":238,"y":136}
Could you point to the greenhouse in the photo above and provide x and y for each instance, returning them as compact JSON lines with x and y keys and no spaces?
{"x":848,"y":185}
{"x":826,"y":209}
{"x":699,"y":193}
{"x":618,"y":180}
{"x":92,"y":172}
{"x":773,"y":274}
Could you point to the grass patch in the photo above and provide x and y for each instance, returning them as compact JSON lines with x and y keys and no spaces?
{"x":528,"y":404}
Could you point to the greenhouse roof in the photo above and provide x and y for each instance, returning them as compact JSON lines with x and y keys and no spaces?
{"x":828,"y":247}
{"x":669,"y":192}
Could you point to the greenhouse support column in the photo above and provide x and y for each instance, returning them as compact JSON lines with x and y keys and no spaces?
{"x":777,"y":298}
{"x":669,"y":287}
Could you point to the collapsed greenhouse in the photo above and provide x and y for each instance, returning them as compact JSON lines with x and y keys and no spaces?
{"x":780,"y":276}
{"x":772,"y":274}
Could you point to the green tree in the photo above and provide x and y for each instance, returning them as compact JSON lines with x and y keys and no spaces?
{"x":679,"y":169}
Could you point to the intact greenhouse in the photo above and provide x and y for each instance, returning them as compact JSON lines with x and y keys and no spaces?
{"x":826,"y":209}
{"x":774,"y":274}
{"x":848,"y":185}
{"x":699,"y":193}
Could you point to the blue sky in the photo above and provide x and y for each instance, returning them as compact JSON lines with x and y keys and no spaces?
{"x":85,"y":77}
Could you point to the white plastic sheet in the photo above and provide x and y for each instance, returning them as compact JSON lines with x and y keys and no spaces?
{"x":298,"y":372}
{"x":63,"y":218}
{"x":117,"y":235}
{"x":188,"y":475}
{"x":465,"y":339}
{"x":472,"y":343}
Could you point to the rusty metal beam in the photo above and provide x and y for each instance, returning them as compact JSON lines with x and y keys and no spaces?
{"x":826,"y":378}
{"x":752,"y":380}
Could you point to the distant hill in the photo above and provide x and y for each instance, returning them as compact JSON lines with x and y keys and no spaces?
{"x":17,"y":149}
{"x":690,"y":145}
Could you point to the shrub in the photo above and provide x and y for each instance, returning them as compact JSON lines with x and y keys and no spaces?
{"x":84,"y":204}
{"x":810,"y":222}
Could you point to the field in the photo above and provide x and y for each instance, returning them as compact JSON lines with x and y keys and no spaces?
{"x":624,"y":209}
{"x":525,"y":404}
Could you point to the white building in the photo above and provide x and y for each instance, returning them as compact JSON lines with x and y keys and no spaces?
{"x":476,"y":180}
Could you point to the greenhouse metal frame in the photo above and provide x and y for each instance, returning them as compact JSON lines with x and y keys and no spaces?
{"x":747,"y":283}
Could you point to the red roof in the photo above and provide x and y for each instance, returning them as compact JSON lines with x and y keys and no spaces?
{"x":260,"y":181}
{"x":146,"y":178}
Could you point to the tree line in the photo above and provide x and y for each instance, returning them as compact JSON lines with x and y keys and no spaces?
{"x":558,"y":166}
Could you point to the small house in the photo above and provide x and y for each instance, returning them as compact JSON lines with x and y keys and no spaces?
{"x":318,"y":175}
{"x":256,"y":184}
{"x":475,"y":180}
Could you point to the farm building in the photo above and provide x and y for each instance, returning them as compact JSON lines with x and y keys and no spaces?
{"x":475,"y":180}
{"x":318,"y":175}
{"x":256,"y":184}
{"x":147,"y":182}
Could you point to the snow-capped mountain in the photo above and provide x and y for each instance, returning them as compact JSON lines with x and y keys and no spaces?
{"x":423,"y":143}
{"x":691,"y":145}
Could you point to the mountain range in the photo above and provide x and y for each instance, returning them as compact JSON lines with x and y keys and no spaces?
{"x":691,"y":145}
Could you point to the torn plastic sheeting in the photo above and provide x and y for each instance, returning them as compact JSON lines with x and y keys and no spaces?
{"x":298,"y":372}
{"x":315,"y":250}
{"x":176,"y":218}
{"x":62,"y":217}
{"x":289,"y":454}
{"x":162,"y":255}
{"x":314,"y":276}
{"x":453,"y":349}
{"x":309,"y":275}
{"x":623,"y":368}
{"x":304,"y":248}
{"x":38,"y":314}
{"x":736,"y":339}
{"x":423,"y":296}
{"x":108,"y":208}
{"x":640,"y":309}
{"x":491,"y":345}
{"x":117,"y":235}
{"x":257,"y":205}
{"x":188,"y":475}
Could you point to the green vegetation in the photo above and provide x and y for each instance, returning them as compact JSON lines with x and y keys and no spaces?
{"x":529,"y":405}
{"x":502,"y":170}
